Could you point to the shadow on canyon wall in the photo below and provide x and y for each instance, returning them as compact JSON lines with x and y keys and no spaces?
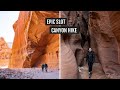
{"x":98,"y":30}
{"x":33,"y":45}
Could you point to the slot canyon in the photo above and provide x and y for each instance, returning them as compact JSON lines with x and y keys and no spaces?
{"x":33,"y":45}
{"x":99,"y":30}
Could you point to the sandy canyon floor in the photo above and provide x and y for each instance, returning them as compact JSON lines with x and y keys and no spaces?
{"x":29,"y":73}
{"x":97,"y":72}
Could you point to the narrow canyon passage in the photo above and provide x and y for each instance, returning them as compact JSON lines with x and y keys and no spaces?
{"x":102,"y":27}
{"x":97,"y":72}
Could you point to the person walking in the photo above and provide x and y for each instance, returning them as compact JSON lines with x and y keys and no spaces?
{"x":46,"y":67}
{"x":90,"y":58}
{"x":43,"y":66}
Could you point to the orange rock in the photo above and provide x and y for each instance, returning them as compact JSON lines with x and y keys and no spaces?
{"x":5,"y":53}
{"x":33,"y":44}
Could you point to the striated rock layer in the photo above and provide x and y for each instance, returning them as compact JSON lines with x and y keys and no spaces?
{"x":5,"y":53}
{"x":103,"y":30}
{"x":33,"y":44}
{"x":74,"y":46}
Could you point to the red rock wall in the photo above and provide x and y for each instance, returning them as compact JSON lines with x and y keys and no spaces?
{"x":115,"y":21}
{"x":32,"y":40}
{"x":104,"y":31}
{"x":5,"y":53}
{"x":104,"y":28}
{"x":19,"y":52}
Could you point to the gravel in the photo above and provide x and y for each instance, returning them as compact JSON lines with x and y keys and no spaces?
{"x":28,"y":73}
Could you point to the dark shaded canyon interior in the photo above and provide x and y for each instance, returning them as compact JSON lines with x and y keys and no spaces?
{"x":98,"y":30}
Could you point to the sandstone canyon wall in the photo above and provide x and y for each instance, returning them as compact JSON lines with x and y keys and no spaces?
{"x":5,"y":53}
{"x":114,"y":21}
{"x":107,"y":45}
{"x":74,"y":46}
{"x":104,"y":38}
{"x":33,"y":45}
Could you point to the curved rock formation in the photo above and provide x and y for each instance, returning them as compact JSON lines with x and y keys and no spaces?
{"x":104,"y":34}
{"x":105,"y":29}
{"x":33,"y":45}
{"x":5,"y":53}
{"x":73,"y":46}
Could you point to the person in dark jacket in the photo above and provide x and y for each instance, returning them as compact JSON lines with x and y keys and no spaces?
{"x":43,"y":66}
{"x":90,"y":58}
{"x":46,"y":67}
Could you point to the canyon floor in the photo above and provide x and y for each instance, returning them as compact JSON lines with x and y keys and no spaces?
{"x":28,"y":73}
{"x":97,"y":72}
{"x":36,"y":73}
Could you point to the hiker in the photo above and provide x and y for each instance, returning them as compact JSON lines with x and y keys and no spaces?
{"x":43,"y":66}
{"x":46,"y":67}
{"x":90,"y":58}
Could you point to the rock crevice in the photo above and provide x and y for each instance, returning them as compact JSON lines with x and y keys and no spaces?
{"x":103,"y":35}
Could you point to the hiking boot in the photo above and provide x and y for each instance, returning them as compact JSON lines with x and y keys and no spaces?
{"x":89,"y":77}
{"x":89,"y":73}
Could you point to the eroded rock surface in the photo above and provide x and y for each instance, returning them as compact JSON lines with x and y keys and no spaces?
{"x":74,"y":46}
{"x":33,"y":44}
{"x":102,"y":28}
{"x":5,"y":53}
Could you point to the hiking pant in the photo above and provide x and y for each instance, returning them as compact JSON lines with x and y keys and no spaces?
{"x":46,"y":69}
{"x":90,"y":64}
{"x":42,"y":69}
